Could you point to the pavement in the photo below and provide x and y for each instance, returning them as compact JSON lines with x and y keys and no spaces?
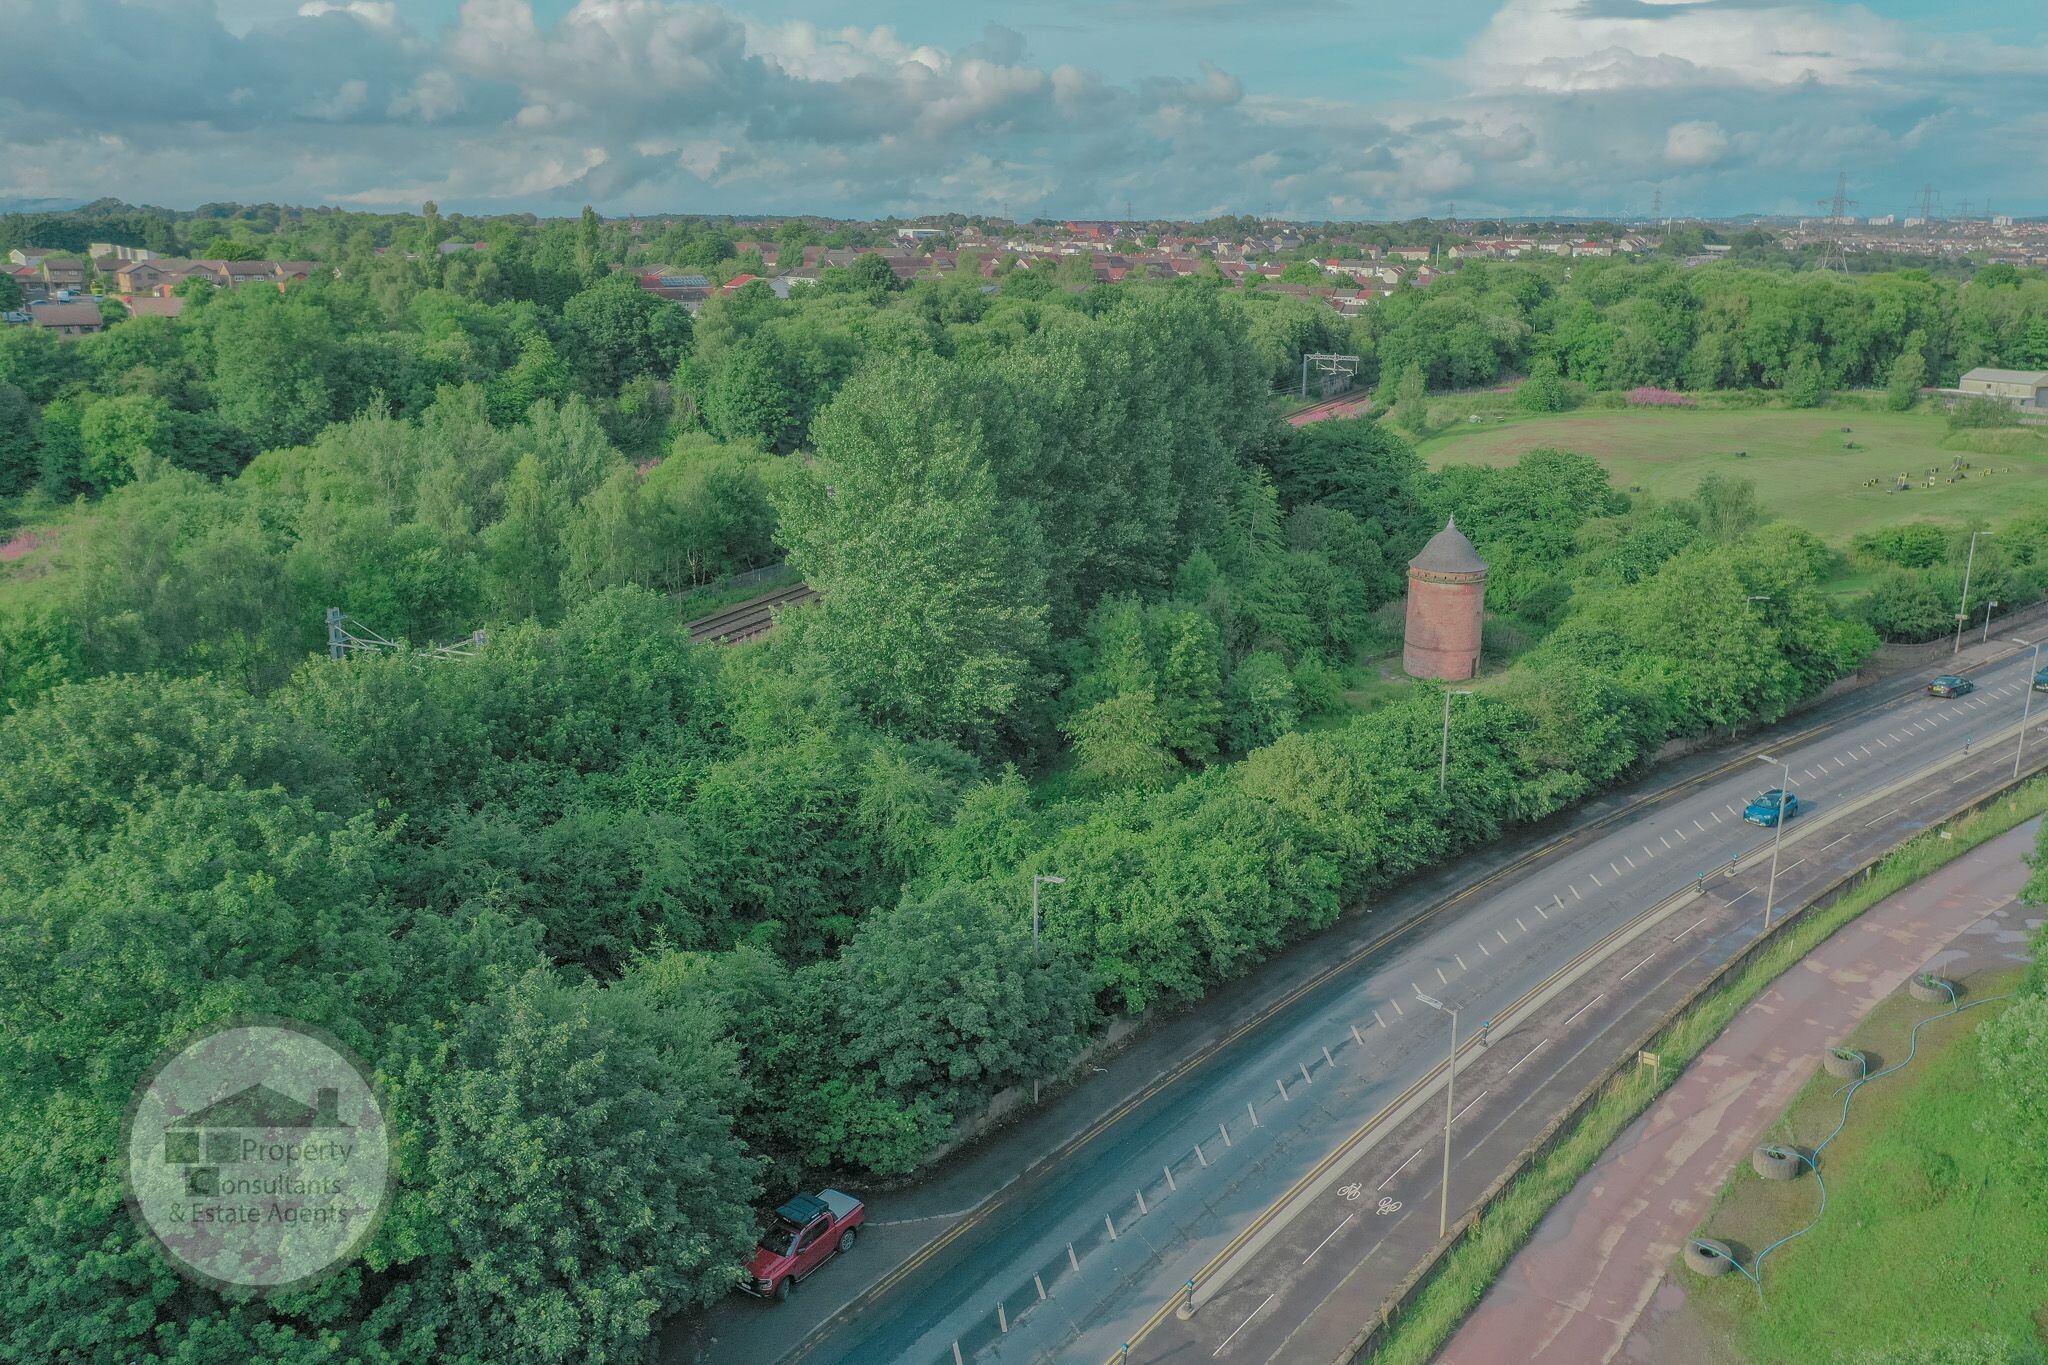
{"x":1072,"y":1230}
{"x":1586,"y":1289}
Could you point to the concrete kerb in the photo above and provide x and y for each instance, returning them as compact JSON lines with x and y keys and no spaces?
{"x":1411,"y":1286}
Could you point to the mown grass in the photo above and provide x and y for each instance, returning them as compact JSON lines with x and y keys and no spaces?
{"x":1929,"y":1233}
{"x":1504,"y":1225}
{"x":1800,"y":460}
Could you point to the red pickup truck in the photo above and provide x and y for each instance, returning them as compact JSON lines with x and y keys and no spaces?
{"x":806,"y":1232}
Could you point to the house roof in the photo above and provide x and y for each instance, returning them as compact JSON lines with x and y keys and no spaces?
{"x":1985,"y":374}
{"x":67,"y":314}
{"x":1449,"y":552}
{"x":151,"y":307}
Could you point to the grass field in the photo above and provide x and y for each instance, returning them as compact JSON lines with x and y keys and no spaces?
{"x":1798,"y":460}
{"x":1929,"y":1234}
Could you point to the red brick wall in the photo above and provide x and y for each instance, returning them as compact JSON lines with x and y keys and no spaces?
{"x":1444,"y":619}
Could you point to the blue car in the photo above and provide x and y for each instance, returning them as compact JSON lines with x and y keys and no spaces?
{"x":2041,"y":681}
{"x":1770,"y":807}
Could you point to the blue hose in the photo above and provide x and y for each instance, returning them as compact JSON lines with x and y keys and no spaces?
{"x":1848,"y":1093}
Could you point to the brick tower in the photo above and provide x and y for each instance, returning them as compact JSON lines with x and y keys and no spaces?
{"x":1446,"y":603}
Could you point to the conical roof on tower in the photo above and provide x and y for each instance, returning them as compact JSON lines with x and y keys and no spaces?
{"x":1449,"y":552}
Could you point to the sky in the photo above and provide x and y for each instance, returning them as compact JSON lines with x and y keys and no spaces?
{"x":1315,"y":109}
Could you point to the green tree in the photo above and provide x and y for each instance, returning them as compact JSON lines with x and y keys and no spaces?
{"x":524,"y":548}
{"x":1543,"y":390}
{"x":749,"y":398}
{"x":1411,"y":400}
{"x":617,"y":332}
{"x":1908,"y":373}
{"x":538,"y":375}
{"x":934,"y":590}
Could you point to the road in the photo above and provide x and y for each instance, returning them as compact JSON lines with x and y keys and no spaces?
{"x":1161,"y":1192}
{"x":1574,"y":1295}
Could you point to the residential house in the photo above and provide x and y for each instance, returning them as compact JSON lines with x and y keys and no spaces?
{"x":152,"y":276}
{"x":118,"y":252}
{"x":1408,"y":253}
{"x":63,"y":272}
{"x":30,"y":278}
{"x":32,"y":256}
{"x":69,"y":319}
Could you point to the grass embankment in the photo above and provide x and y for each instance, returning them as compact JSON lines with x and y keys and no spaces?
{"x":1927,"y":1235}
{"x":35,"y":551}
{"x":1505,"y":1224}
{"x":1800,"y":459}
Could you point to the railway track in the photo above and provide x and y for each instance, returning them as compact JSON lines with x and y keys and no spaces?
{"x":730,"y":625}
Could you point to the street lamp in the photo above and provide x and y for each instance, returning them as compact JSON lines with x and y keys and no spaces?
{"x":1784,"y":795}
{"x":1036,"y":882}
{"x":2033,"y":669}
{"x":1963,"y":604}
{"x":1443,"y":765}
{"x":1443,"y":1213}
{"x":1990,"y":605}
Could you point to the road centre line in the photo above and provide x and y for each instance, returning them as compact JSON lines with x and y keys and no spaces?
{"x":1717,"y":816}
{"x":1698,"y":828}
{"x":1519,"y":925}
{"x":1441,"y":977}
{"x":1689,"y":928}
{"x":1377,"y":1020}
{"x":1681,"y":834}
{"x":1398,"y":1011}
{"x":1596,"y":878}
{"x":1789,"y":866}
{"x":1540,"y":910}
{"x":1750,"y":892}
{"x":1242,"y":1325}
{"x":1461,"y":961}
{"x":1400,"y":1168}
{"x":1638,"y":967}
{"x":1326,"y":1241}
{"x":1527,"y":1055}
{"x":1630,"y":861}
{"x":1503,"y":937}
{"x":1468,"y":1107}
{"x":1575,"y":892}
{"x":1484,"y":949}
{"x":1583,"y":1008}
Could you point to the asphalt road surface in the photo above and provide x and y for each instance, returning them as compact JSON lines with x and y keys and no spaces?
{"x":1090,"y":1252}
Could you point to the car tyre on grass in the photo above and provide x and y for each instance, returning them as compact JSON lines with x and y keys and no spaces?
{"x":1774,"y":1162}
{"x":1707,"y":1257}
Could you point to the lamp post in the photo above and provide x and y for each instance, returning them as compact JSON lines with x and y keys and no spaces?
{"x":2028,"y":710}
{"x":1040,"y":880}
{"x":1784,"y":795}
{"x":1443,"y":765}
{"x":1963,"y":604}
{"x":1990,"y":605}
{"x":1443,"y":1212}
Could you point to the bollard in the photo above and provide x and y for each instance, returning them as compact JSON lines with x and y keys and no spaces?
{"x":1142,"y":1210}
{"x":1073,"y":1261}
{"x":1255,"y":1113}
{"x":1224,"y":1129}
{"x":1282,"y":1083}
{"x":1126,"y":1353}
{"x":956,"y":1354}
{"x":1199,"y":1157}
{"x":1304,"y":1073}
{"x":1328,"y":1060}
{"x":1354,"y":1036}
{"x":1191,"y":1296}
{"x":1169,"y":1178}
{"x":1041,"y":1287}
{"x":1002,"y":1320}
{"x":1109,"y":1223}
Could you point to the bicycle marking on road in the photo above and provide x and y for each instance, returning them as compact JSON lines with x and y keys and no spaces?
{"x":1383,"y":1208}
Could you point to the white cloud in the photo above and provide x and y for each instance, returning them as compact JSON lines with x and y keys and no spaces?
{"x":647,"y":104}
{"x":376,"y":13}
{"x":1697,"y":142}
